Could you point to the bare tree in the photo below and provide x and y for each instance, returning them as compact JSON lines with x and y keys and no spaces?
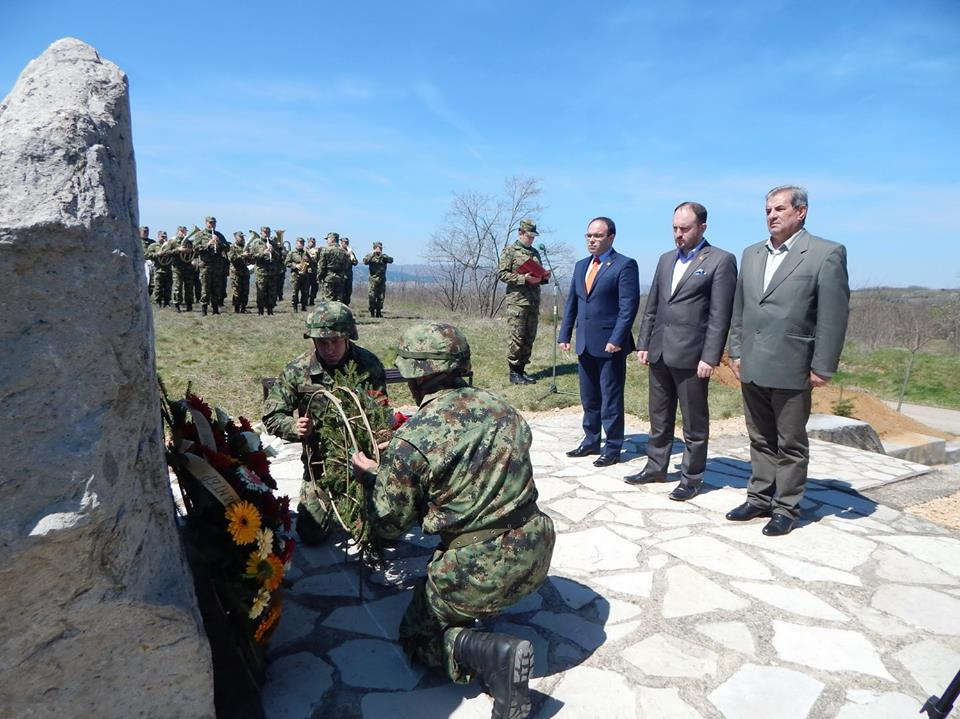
{"x":916,"y":323}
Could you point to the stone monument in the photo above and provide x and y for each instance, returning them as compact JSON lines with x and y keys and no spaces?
{"x":98,"y":615}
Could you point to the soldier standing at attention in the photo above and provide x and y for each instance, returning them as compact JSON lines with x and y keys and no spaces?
{"x":183,"y":271}
{"x":377,"y":286}
{"x":313,"y":254}
{"x":332,"y":329}
{"x":239,"y":256}
{"x":461,"y":468}
{"x":263,"y":258}
{"x":523,"y":300}
{"x":147,"y":241}
{"x":298,"y":262}
{"x":332,"y":269}
{"x":212,"y":249}
{"x":161,"y":252}
{"x":348,"y":286}
{"x":279,"y":269}
{"x":224,"y":271}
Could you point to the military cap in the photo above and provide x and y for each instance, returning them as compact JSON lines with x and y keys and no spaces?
{"x":210,"y":218}
{"x":378,"y":244}
{"x":433,"y":348}
{"x":334,"y":235}
{"x":345,"y":239}
{"x":181,"y":227}
{"x":238,"y":233}
{"x":144,"y":227}
{"x":330,"y":319}
{"x":264,"y":229}
{"x":529,"y":226}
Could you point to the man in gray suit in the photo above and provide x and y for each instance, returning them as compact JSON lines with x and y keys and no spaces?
{"x":789,"y":322}
{"x":682,"y":335}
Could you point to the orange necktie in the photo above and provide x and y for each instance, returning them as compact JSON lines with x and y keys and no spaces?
{"x":592,"y":273}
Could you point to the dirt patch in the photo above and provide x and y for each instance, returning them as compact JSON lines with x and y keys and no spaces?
{"x":944,"y":511}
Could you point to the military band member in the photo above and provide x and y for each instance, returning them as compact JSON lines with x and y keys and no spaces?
{"x":147,"y":241}
{"x":314,"y":254}
{"x":265,"y":261}
{"x":239,"y":257}
{"x":298,"y":261}
{"x":332,"y":269}
{"x":348,"y":286}
{"x":212,"y":250}
{"x":161,"y":252}
{"x":183,"y":271}
{"x":377,"y":261}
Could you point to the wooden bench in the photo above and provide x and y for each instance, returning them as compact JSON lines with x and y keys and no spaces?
{"x":393,"y":377}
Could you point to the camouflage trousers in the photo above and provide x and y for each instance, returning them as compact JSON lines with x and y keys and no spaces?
{"x":348,"y":289}
{"x":312,"y":287}
{"x":523,"y":331}
{"x":280,"y":277}
{"x":241,"y":290}
{"x":314,"y":516}
{"x":266,"y":292}
{"x":299,"y":290}
{"x":183,"y":288}
{"x":210,"y":286}
{"x":162,"y":285}
{"x":224,"y":274}
{"x":332,"y":288}
{"x":375,"y":294}
{"x":474,"y":582}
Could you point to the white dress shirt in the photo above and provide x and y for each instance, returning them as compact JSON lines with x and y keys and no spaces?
{"x":682,"y":263}
{"x":775,"y":258}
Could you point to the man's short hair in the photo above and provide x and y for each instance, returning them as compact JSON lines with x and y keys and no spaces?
{"x":611,"y":226}
{"x":699,"y":211}
{"x":798,"y":195}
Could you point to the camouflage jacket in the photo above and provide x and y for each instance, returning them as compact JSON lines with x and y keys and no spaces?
{"x":162,"y":255}
{"x":459,"y":464}
{"x":278,"y":256}
{"x":378,"y":265}
{"x":285,"y":396}
{"x":333,"y":261}
{"x":239,"y":259}
{"x":519,"y":293}
{"x":314,"y":257}
{"x":210,"y":252}
{"x":263,"y":261}
{"x":295,"y":260}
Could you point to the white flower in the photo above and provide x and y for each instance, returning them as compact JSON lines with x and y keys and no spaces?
{"x":259,"y":602}
{"x":264,"y":542}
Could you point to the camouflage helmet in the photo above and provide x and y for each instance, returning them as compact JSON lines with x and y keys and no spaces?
{"x":334,"y":235}
{"x":329,"y":320}
{"x":431,"y":349}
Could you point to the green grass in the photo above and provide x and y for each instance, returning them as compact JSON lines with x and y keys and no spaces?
{"x":224,"y":356}
{"x":934,"y":379}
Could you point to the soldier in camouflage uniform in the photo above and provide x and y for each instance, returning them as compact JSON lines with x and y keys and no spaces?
{"x":348,"y":286}
{"x":377,"y":287}
{"x":264,"y":260}
{"x":461,"y":468}
{"x":332,"y":269}
{"x":298,"y":261}
{"x":314,"y":254}
{"x":523,"y":300}
{"x":147,"y":241}
{"x":239,"y":256}
{"x":224,"y":273}
{"x":212,"y":250}
{"x":332,"y":328}
{"x":279,"y":268}
{"x":183,"y":271}
{"x":161,"y":253}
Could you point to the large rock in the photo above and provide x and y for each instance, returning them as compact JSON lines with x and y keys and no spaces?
{"x":97,"y":612}
{"x":844,"y":430}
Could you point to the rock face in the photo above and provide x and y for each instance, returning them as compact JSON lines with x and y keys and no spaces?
{"x":844,"y":430}
{"x":98,"y":615}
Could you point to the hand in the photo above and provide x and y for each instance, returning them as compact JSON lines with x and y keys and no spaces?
{"x":642,"y":356}
{"x":565,"y":346}
{"x":611,"y":348}
{"x":704,"y":370}
{"x":304,"y":427}
{"x":362,"y":463}
{"x":533,"y":280}
{"x":547,"y":276}
{"x":383,"y":445}
{"x":816,"y":380}
{"x":735,"y":366}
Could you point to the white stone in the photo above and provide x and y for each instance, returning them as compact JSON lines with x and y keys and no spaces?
{"x":449,"y":701}
{"x":816,"y":543}
{"x":594,"y":550}
{"x":643,"y":499}
{"x":732,"y":635}
{"x":689,"y":592}
{"x":375,"y":664}
{"x":295,"y":685}
{"x":941,"y":552}
{"x":637,"y":584}
{"x":617,"y":610}
{"x":808,"y":572}
{"x":664,"y":655}
{"x":827,"y":649}
{"x":590,"y":494}
{"x":327,"y":554}
{"x":876,"y":705}
{"x":586,"y":634}
{"x":616,"y":632}
{"x":709,"y":553}
{"x":677,"y":519}
{"x":931,"y":664}
{"x":657,"y":561}
{"x":877,"y":622}
{"x":664,"y":704}
{"x":296,"y":624}
{"x":782,"y":693}
{"x":342,"y":583}
{"x":718,"y":500}
{"x":792,"y":599}
{"x":573,"y":593}
{"x":379,"y":618}
{"x":578,"y":691}
{"x":628,"y":532}
{"x":574,"y":508}
{"x":549,"y":488}
{"x":897,"y":567}
{"x":669,"y":534}
{"x":920,"y":606}
{"x":419,"y":539}
{"x":626,"y":515}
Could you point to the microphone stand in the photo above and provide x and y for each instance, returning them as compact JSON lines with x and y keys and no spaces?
{"x":552,"y":388}
{"x":940,"y":707}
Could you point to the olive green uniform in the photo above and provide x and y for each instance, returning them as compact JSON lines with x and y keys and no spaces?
{"x":522,"y":303}
{"x":377,"y":287}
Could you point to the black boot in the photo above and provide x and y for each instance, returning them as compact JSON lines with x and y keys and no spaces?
{"x":296,"y":309}
{"x":269,"y":310}
{"x":527,"y":379}
{"x":503,"y":663}
{"x":177,"y":307}
{"x":216,"y":309}
{"x":203,"y":310}
{"x":259,"y":309}
{"x":303,"y":308}
{"x":189,"y":308}
{"x":515,"y":378}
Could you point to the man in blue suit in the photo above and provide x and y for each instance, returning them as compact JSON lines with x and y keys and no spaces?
{"x":603,"y":301}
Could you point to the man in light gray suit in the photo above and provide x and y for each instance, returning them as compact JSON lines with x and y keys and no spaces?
{"x":789,"y":322}
{"x":682,"y":335}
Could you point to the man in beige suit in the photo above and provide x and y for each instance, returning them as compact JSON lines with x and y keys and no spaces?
{"x":789,"y":322}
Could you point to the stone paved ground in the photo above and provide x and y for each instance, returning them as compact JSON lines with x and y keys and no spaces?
{"x":656,"y":608}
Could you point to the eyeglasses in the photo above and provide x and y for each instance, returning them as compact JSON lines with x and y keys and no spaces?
{"x":595,"y":235}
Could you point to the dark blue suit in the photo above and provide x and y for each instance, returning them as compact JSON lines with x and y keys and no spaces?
{"x":604,"y":315}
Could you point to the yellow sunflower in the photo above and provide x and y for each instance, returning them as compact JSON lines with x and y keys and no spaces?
{"x":268,"y":570}
{"x":268,"y":621}
{"x":259,"y":602}
{"x":244,"y":522}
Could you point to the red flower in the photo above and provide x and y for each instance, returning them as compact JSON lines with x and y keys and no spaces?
{"x":287,"y":550}
{"x":198,"y":404}
{"x":379,"y":396}
{"x":223,"y":463}
{"x":257,"y":461}
{"x":398,"y":420}
{"x":245,"y":424}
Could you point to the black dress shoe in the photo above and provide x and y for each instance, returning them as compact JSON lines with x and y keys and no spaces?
{"x":606,"y":459}
{"x":685,"y":490}
{"x":584,"y":450}
{"x":747,"y":511}
{"x":778,"y":525}
{"x":645,"y":477}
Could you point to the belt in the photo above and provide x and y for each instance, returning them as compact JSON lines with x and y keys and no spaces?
{"x":517,"y":518}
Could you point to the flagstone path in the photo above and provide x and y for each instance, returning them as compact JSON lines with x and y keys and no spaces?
{"x":655,"y":608}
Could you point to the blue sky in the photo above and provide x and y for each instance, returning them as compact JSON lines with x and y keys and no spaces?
{"x":365,"y":117}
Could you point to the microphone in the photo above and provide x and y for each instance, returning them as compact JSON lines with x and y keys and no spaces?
{"x":542,"y":247}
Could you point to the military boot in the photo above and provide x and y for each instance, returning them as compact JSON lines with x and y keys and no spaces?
{"x":203,"y":310}
{"x":527,"y":379}
{"x":503,"y":664}
{"x":259,"y":309}
{"x":177,"y":307}
{"x":296,"y":309}
{"x":269,"y":310}
{"x":216,"y":309}
{"x":189,"y":308}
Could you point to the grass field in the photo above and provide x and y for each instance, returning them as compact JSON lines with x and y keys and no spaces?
{"x":224,"y":356}
{"x":934,"y":379}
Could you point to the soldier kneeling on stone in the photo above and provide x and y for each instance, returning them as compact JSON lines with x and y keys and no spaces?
{"x":332,"y":329}
{"x":461,"y":468}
